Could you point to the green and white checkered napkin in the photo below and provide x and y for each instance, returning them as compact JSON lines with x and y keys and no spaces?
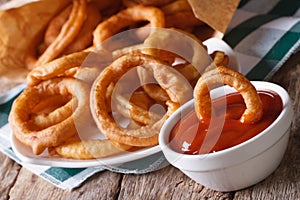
{"x":263,"y":35}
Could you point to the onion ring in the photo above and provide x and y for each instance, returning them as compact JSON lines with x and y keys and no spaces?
{"x":65,"y":36}
{"x":220,"y":58}
{"x":176,"y":6}
{"x":56,"y":24}
{"x":167,"y":45}
{"x":133,"y":108}
{"x":153,"y":2}
{"x":146,"y":135}
{"x":87,"y":74}
{"x":84,"y":38}
{"x":179,"y":20}
{"x":129,"y":3}
{"x":152,"y":88}
{"x":55,"y":68}
{"x":176,"y":43}
{"x":127,"y":17}
{"x":51,"y":111}
{"x":50,"y":103}
{"x":39,"y":139}
{"x":82,"y":65}
{"x":212,"y":78}
{"x":90,"y":149}
{"x":104,"y":5}
{"x":111,"y":7}
{"x":126,"y":50}
{"x":45,"y":120}
{"x":145,"y":116}
{"x":189,"y":72}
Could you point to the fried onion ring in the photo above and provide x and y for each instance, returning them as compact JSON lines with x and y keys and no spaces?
{"x":167,"y":44}
{"x":153,"y":2}
{"x":176,"y":6}
{"x":84,"y":38}
{"x":56,"y":24}
{"x":90,"y":149}
{"x":45,"y":119}
{"x":55,"y":68}
{"x":131,"y":49}
{"x":127,"y":17}
{"x":182,"y":20}
{"x":220,"y":58}
{"x":129,"y":3}
{"x":176,"y":87}
{"x":136,"y":108}
{"x":189,"y":72}
{"x":152,"y":88}
{"x":65,"y":37}
{"x":223,"y":75}
{"x":41,"y":138}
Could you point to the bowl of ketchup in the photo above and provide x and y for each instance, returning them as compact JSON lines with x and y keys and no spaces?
{"x":227,"y":155}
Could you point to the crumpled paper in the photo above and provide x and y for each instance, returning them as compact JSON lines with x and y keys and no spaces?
{"x":216,"y":13}
{"x":20,"y":27}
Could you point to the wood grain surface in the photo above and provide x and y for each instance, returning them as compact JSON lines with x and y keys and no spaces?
{"x":168,"y":183}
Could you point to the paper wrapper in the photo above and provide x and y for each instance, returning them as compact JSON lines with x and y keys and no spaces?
{"x":215,"y":13}
{"x":19,"y":29}
{"x":21,"y":23}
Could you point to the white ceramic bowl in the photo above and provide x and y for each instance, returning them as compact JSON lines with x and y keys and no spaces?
{"x":240,"y":166}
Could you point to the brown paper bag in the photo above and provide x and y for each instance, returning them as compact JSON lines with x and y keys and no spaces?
{"x":19,"y":29}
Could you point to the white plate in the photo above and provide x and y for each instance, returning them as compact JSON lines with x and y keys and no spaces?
{"x":26,"y":155}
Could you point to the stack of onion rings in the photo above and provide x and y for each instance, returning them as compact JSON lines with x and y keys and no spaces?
{"x":41,"y":116}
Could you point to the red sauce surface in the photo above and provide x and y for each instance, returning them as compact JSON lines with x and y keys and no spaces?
{"x":192,"y":136}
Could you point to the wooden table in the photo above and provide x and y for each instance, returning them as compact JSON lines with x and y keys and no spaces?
{"x":168,"y":183}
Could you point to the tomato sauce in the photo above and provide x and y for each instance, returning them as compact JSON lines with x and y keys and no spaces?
{"x":193,"y":136}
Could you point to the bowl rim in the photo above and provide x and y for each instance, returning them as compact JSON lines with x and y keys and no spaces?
{"x":259,"y":85}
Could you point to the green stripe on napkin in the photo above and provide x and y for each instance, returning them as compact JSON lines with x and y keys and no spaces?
{"x":276,"y":54}
{"x":237,"y":34}
{"x":283,"y":8}
{"x":4,"y":111}
{"x":286,"y":8}
{"x":62,"y":174}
